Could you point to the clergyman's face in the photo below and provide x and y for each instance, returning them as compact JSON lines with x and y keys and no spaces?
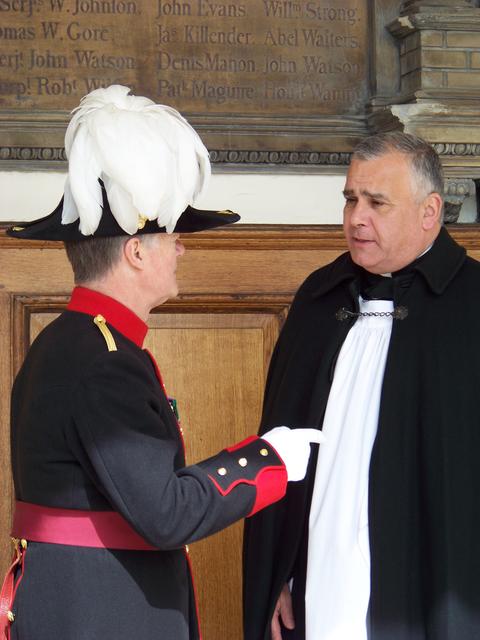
{"x":383,"y":216}
{"x":163,"y":249}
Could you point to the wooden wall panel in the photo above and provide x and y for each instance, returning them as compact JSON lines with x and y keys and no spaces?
{"x":5,"y":383}
{"x":213,"y":344}
{"x":214,"y":365}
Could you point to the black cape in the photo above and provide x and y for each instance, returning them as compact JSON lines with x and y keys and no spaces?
{"x":424,"y":480}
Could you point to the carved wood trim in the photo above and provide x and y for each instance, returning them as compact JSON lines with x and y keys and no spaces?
{"x":33,"y":140}
{"x":251,"y":237}
{"x":30,"y":157}
{"x":54,"y":157}
{"x":23,"y":306}
{"x":245,"y":237}
{"x":42,"y":158}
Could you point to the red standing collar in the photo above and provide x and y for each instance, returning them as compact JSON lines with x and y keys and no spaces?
{"x":115,"y":313}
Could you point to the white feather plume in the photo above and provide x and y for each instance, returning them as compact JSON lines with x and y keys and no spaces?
{"x":150,"y":159}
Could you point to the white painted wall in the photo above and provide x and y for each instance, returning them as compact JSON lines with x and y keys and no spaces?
{"x":260,"y":198}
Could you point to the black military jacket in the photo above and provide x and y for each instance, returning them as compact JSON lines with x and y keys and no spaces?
{"x":92,"y":429}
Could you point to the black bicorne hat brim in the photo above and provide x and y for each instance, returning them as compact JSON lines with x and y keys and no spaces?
{"x":51,"y":228}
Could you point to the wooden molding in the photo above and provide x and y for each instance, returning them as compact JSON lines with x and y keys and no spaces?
{"x":251,"y":237}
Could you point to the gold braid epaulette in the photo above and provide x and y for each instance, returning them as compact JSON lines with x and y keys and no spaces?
{"x":102,"y":325}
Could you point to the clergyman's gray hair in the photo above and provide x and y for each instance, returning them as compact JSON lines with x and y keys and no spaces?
{"x":427,"y":169}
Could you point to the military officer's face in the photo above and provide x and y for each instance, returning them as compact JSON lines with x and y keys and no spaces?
{"x":388,"y":219}
{"x":162,"y":250}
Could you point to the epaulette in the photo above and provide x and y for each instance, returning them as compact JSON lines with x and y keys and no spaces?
{"x":105,"y":331}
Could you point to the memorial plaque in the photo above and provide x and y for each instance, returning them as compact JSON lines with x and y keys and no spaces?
{"x":253,"y":74}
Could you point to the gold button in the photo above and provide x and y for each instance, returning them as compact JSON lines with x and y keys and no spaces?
{"x":23,"y":543}
{"x":264,"y":452}
{"x":187,"y":549}
{"x":10,"y":616}
{"x":243,"y":462}
{"x":222,"y":471}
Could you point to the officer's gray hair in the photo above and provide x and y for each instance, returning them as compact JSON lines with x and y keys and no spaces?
{"x":426,"y":166}
{"x":93,"y":258}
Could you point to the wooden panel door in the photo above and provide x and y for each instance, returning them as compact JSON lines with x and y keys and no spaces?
{"x":214,"y":365}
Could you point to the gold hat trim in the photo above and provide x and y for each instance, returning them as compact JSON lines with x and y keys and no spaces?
{"x":142,"y":221}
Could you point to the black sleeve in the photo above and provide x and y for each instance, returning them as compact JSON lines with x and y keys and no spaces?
{"x":126,"y":435}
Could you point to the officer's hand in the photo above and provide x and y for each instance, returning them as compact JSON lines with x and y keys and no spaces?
{"x":293,"y":446}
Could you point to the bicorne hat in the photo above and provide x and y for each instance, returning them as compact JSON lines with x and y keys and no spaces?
{"x":134,"y":167}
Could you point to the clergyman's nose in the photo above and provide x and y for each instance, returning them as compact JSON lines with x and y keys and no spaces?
{"x":358,"y":216}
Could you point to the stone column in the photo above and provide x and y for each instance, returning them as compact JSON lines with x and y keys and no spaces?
{"x":439,"y":86}
{"x":423,"y":5}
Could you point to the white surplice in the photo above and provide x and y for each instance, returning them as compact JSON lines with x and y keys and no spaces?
{"x":338,"y":574}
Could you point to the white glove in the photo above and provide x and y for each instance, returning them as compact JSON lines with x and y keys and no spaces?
{"x":293,"y":446}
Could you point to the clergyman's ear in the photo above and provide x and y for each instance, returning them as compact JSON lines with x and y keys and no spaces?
{"x":432,"y":210}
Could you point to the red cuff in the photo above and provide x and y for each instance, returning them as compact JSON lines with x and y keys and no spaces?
{"x":242,"y":444}
{"x":253,"y":462}
{"x":271,"y":487}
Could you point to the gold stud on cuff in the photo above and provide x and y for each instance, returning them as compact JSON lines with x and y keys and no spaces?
{"x":243,"y":462}
{"x":264,"y":452}
{"x":222,"y":471}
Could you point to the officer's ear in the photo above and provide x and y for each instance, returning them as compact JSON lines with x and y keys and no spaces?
{"x":134,"y":253}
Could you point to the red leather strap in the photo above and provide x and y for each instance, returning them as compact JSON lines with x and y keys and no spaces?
{"x":8,"y":590}
{"x":33,"y":522}
{"x":105,"y":529}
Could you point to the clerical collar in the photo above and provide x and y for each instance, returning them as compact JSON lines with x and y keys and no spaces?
{"x":410,"y":267}
{"x":438,"y":267}
{"x":94,"y":303}
{"x":374,"y":286}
